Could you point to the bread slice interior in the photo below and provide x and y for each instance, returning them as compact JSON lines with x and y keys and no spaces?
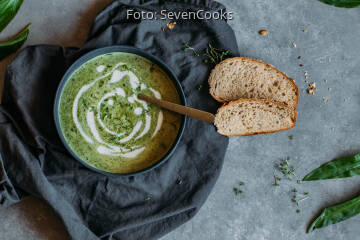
{"x":240,"y":77}
{"x":254,"y":116}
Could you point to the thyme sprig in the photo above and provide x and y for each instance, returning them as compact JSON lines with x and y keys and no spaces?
{"x":238,"y":191}
{"x":286,"y":169}
{"x":276,"y":180}
{"x":214,"y":55}
{"x":211,"y":54}
{"x":188,"y":47}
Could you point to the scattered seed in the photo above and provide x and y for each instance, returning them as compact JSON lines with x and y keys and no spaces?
{"x":325,"y":81}
{"x":263,"y":32}
{"x":171,"y":25}
{"x":304,"y":30}
{"x":294,"y":44}
{"x":332,"y":129}
{"x":329,"y":89}
{"x":329,"y":59}
{"x":301,"y":65}
{"x":325,"y":100}
{"x":299,"y":57}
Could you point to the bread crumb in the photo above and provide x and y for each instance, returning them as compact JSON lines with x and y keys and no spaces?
{"x":263,"y":32}
{"x":304,"y":30}
{"x":312,"y":85}
{"x":310,"y":91}
{"x":171,"y":25}
{"x":162,"y":29}
{"x":294,"y":44}
{"x":325,"y":100}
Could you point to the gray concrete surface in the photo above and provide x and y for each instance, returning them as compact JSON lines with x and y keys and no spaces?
{"x":330,"y":51}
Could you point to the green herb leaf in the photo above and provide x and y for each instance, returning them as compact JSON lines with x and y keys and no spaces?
{"x":337,"y":213}
{"x":11,"y":46}
{"x":237,"y":191}
{"x":8,"y":10}
{"x":338,"y":168}
{"x":342,"y":3}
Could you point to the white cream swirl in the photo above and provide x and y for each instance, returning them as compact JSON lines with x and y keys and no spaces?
{"x":94,"y":122}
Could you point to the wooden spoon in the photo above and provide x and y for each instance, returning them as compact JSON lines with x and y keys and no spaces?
{"x":188,"y":111}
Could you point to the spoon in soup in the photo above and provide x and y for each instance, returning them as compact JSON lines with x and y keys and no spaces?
{"x":187,"y":111}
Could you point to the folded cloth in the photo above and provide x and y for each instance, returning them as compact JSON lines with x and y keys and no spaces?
{"x":91,"y":205}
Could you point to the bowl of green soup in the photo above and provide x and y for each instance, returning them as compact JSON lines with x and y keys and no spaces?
{"x":103,"y":124}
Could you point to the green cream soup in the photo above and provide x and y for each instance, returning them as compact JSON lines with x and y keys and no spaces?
{"x":104,"y":122}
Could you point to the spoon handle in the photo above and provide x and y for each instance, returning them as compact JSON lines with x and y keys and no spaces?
{"x":188,"y":111}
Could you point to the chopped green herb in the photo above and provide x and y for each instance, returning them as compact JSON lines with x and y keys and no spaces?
{"x":297,"y":210}
{"x":276,"y":180}
{"x":298,"y":181}
{"x":291,"y":137}
{"x":297,"y":201}
{"x":199,"y":87}
{"x":286,"y":169}
{"x":147,"y":198}
{"x":237,"y":191}
{"x":241,"y":183}
{"x":179,"y":182}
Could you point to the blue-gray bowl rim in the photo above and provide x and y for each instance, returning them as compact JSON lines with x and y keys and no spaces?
{"x":125,"y":49}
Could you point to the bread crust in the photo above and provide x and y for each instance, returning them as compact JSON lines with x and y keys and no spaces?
{"x":261,"y":62}
{"x":263,"y":100}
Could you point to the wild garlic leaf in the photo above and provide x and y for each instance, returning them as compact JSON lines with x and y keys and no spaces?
{"x":12,"y":45}
{"x":8,"y":10}
{"x":342,"y":3}
{"x":338,"y":168}
{"x":337,"y":213}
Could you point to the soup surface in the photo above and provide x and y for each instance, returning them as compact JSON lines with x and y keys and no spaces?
{"x":104,"y":122}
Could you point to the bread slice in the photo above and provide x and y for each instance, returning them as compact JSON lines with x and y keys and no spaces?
{"x":250,"y":116}
{"x":242,"y":77}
